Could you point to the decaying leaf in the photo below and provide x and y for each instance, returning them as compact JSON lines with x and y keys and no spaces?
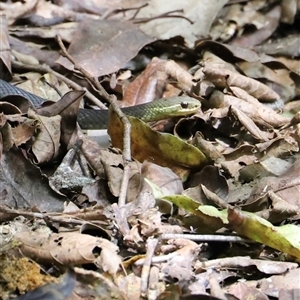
{"x":104,"y":35}
{"x":163,"y":149}
{"x":223,"y":78}
{"x":46,"y":145}
{"x":70,"y":249}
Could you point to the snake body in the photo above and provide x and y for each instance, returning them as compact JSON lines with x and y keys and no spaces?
{"x":98,"y":119}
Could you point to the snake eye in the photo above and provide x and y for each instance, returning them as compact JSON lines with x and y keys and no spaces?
{"x":184,"y":104}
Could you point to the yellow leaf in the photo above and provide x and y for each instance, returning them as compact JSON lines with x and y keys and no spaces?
{"x":161,"y":148}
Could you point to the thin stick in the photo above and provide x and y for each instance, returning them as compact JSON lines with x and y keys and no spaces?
{"x":46,"y":69}
{"x":111,"y":99}
{"x":151,"y":245}
{"x":206,"y":238}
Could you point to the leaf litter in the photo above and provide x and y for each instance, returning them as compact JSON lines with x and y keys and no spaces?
{"x":211,"y":200}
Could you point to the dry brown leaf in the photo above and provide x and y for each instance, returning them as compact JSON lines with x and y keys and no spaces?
{"x":47,"y":142}
{"x":168,"y":182}
{"x":24,"y":132}
{"x":199,"y":16}
{"x":265,"y":30}
{"x":109,"y":165}
{"x":285,"y":186}
{"x":270,"y":166}
{"x":25,"y":184}
{"x":207,"y":147}
{"x":223,"y":78}
{"x":236,"y":158}
{"x":249,"y":125}
{"x":149,"y":222}
{"x":130,"y":286}
{"x":277,"y":77}
{"x":99,"y":286}
{"x":15,"y":10}
{"x":95,"y":40}
{"x":16,"y":130}
{"x":5,"y":58}
{"x":179,"y":265}
{"x":144,"y":88}
{"x":69,"y":249}
{"x":279,"y":146}
{"x":42,"y":55}
{"x":65,"y":30}
{"x":285,"y":285}
{"x":46,"y":86}
{"x":230,"y":53}
{"x":262,"y":117}
{"x":263,"y":111}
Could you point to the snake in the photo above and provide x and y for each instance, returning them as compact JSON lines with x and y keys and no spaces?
{"x":90,"y":119}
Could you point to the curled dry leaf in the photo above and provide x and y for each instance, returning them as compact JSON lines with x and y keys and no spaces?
{"x":235,"y":159}
{"x":17,"y":134}
{"x":223,"y":78}
{"x":109,"y":165}
{"x":212,"y":179}
{"x":267,"y":267}
{"x":101,"y":287}
{"x":279,"y":146}
{"x":218,"y":99}
{"x":24,"y":131}
{"x":143,"y":88}
{"x":270,"y":22}
{"x":164,"y":180}
{"x":183,"y":77}
{"x":180,"y":264}
{"x":47,"y":142}
{"x":277,"y":77}
{"x":262,"y":109}
{"x":270,"y":166}
{"x":286,"y":186}
{"x":287,"y":47}
{"x":249,"y":125}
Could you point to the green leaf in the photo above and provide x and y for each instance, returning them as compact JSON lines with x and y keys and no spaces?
{"x":285,"y":238}
{"x":161,"y":148}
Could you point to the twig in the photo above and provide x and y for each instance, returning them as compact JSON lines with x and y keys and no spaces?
{"x":111,"y":99}
{"x":64,"y":219}
{"x":206,"y":238}
{"x":151,"y":245}
{"x":155,"y":259}
{"x":163,"y":16}
{"x":113,"y":12}
{"x":46,"y":69}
